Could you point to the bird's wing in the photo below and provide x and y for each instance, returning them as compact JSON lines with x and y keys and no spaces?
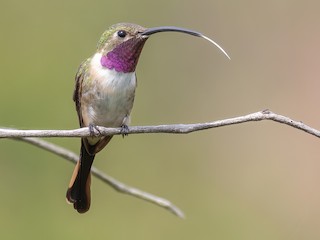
{"x":81,"y":74}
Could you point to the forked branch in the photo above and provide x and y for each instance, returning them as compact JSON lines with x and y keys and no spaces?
{"x":28,"y":136}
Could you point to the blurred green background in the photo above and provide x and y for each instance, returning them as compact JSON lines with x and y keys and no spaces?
{"x":249,"y":181}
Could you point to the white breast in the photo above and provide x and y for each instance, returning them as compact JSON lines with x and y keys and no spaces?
{"x":110,"y":95}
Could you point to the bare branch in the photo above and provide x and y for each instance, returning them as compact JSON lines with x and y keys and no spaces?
{"x":173,"y":128}
{"x":26,"y":135}
{"x":120,"y":187}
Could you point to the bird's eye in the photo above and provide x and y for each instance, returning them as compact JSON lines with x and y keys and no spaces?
{"x":122,"y":33}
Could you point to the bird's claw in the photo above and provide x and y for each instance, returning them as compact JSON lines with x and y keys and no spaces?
{"x":124,"y":130}
{"x":94,"y":130}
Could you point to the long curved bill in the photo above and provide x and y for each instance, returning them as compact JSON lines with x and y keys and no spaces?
{"x":154,"y":30}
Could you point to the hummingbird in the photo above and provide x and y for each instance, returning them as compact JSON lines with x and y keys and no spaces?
{"x":104,"y":93}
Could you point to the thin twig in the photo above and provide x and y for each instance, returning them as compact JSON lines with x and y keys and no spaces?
{"x":26,"y":135}
{"x":117,"y":185}
{"x":173,"y":128}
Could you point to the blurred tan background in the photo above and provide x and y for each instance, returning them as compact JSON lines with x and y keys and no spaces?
{"x":250,"y":181}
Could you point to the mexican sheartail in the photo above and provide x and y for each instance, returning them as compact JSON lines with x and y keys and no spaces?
{"x":104,"y":93}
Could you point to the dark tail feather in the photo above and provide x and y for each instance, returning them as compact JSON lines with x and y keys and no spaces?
{"x":79,"y":188}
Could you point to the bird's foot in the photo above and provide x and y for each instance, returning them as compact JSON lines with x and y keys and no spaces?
{"x":124,"y":130}
{"x":94,"y":130}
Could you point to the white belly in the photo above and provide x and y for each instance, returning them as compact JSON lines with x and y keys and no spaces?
{"x":109,"y":96}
